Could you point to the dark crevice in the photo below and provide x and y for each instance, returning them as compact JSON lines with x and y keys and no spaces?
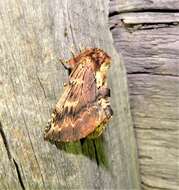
{"x":113,"y":26}
{"x":148,"y":26}
{"x":156,"y":10}
{"x":33,"y":150}
{"x":151,"y":73}
{"x":114,"y":13}
{"x":96,"y":153}
{"x":145,"y":157}
{"x":144,"y":26}
{"x":132,"y":27}
{"x":138,"y":72}
{"x":10,"y":156}
{"x":5,"y":141}
{"x":19,"y":174}
{"x":151,"y":26}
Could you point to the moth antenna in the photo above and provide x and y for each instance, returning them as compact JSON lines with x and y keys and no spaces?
{"x":64,"y":64}
{"x":72,"y":50}
{"x":73,"y":53}
{"x":80,"y":47}
{"x":68,"y":68}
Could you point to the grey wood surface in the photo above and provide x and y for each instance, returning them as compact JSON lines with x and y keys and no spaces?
{"x":33,"y":36}
{"x":146,"y":18}
{"x":143,"y":5}
{"x":149,"y":45}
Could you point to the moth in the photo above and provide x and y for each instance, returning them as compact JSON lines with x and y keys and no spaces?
{"x":84,"y":109}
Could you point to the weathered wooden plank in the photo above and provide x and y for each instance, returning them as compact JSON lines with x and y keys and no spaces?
{"x":151,"y":59}
{"x":142,"y":5}
{"x":11,"y":169}
{"x":33,"y":35}
{"x":145,"y":18}
{"x":155,"y":106}
{"x":151,"y":50}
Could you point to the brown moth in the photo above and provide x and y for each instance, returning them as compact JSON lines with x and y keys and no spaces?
{"x":83,"y":109}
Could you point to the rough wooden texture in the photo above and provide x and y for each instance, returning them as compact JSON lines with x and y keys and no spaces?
{"x":33,"y":35}
{"x":146,"y":18}
{"x":143,"y":5}
{"x":149,"y":45}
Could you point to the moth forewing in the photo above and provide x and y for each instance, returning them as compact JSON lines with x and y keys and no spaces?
{"x":83,"y":109}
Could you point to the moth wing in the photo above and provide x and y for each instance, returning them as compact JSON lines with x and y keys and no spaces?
{"x":77,"y":127}
{"x":80,"y":91}
{"x":74,"y":115}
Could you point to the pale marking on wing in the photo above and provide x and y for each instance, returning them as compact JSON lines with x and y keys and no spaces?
{"x":71,"y":103}
{"x":60,"y":104}
{"x":77,"y":81}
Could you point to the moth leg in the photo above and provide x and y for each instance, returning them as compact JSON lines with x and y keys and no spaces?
{"x":108,"y":111}
{"x":104,"y":92}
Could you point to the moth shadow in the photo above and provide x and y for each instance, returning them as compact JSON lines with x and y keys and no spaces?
{"x":94,"y":149}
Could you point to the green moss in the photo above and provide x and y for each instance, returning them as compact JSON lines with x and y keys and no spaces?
{"x":70,"y":147}
{"x":94,"y":149}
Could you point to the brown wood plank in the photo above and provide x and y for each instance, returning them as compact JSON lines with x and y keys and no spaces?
{"x":150,"y":53}
{"x":150,"y":50}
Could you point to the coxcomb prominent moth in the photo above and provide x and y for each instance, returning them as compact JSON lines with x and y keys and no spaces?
{"x":83,"y":109}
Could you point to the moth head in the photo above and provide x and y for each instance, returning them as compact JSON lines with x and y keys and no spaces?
{"x":102,"y":63}
{"x":96,"y":55}
{"x":100,"y":59}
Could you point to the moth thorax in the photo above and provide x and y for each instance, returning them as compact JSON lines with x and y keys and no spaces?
{"x":99,"y":80}
{"x":101,"y":75}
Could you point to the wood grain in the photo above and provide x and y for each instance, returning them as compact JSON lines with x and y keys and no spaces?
{"x":146,"y":18}
{"x":33,"y":36}
{"x":143,"y":5}
{"x":149,"y":45}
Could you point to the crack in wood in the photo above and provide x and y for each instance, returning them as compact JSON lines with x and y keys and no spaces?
{"x":147,"y":19}
{"x":19,"y":174}
{"x":152,"y":187}
{"x":96,"y":154}
{"x":114,"y":13}
{"x":135,"y":10}
{"x":131,"y":27}
{"x":42,"y":87}
{"x":147,"y":26}
{"x":28,"y":133}
{"x":145,"y":157}
{"x":152,"y":73}
{"x":5,"y":141}
{"x":10,"y":156}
